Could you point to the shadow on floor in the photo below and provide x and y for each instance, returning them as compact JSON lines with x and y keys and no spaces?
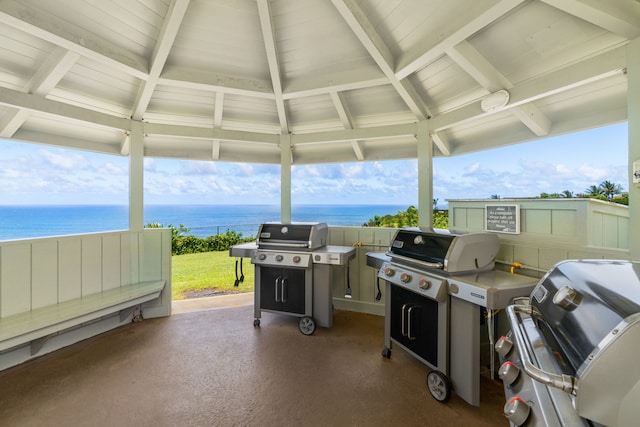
{"x":211,"y":367}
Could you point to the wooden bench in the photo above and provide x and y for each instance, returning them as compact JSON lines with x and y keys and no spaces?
{"x":36,"y":326}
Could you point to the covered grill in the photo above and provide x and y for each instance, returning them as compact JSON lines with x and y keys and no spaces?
{"x":571,"y":357}
{"x":292,"y":271}
{"x":436,"y":285}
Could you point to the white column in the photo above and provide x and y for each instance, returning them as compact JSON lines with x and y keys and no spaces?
{"x":285,"y":178}
{"x":136,"y":179}
{"x":633,"y":117}
{"x":425,"y":175}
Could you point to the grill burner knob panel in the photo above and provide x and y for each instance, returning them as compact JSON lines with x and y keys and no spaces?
{"x":405,"y":278}
{"x":424,"y":284}
{"x":262,"y":257}
{"x":279,"y":258}
{"x":509,"y":372}
{"x":517,"y":410}
{"x":389,"y":272}
{"x":296,"y":259}
{"x":503,"y":346}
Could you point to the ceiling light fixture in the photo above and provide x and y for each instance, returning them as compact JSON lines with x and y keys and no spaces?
{"x":494,"y":101}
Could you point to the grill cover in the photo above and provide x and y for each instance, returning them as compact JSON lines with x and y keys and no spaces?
{"x":302,"y":236}
{"x":452,"y":253}
{"x":581,"y":301}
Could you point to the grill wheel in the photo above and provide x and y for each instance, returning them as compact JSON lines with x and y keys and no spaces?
{"x":439,"y":386}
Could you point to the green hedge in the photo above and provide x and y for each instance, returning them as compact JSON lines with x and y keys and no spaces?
{"x":183,"y":243}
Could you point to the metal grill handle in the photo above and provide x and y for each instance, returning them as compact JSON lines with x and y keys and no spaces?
{"x":404,"y":316}
{"x":283,"y":293}
{"x":409,"y":323}
{"x":566,"y":383}
{"x":278,"y":282}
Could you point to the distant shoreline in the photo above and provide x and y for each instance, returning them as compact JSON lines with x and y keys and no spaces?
{"x":31,"y":221}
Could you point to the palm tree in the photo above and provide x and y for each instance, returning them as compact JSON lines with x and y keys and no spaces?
{"x":593,"y":190}
{"x":609,"y":189}
{"x":567,"y":194}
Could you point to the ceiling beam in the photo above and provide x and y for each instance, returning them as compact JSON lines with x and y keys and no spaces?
{"x":43,"y":81}
{"x":339,"y":81}
{"x":219,"y":83}
{"x":372,"y":133}
{"x":341,"y":108}
{"x":125,"y":144}
{"x":217,"y":123}
{"x":211,"y":134}
{"x":167,"y":36}
{"x":266,"y":23}
{"x":52,"y":71}
{"x":347,"y":121}
{"x":58,"y":32}
{"x":477,"y":15}
{"x":592,"y":69}
{"x":614,"y":16}
{"x":373,"y":43}
{"x":215,"y":150}
{"x":477,"y":66}
{"x":35,"y":103}
{"x":11,"y":121}
{"x":442,"y":143}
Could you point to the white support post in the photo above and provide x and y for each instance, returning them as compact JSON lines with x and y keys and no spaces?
{"x":285,"y":178}
{"x":136,"y":177}
{"x":425,"y":175}
{"x":633,"y":118}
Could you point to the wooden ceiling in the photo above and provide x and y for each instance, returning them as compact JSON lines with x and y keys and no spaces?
{"x":338,"y":80}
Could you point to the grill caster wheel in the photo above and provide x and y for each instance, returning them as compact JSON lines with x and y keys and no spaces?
{"x":307,"y":325}
{"x":439,"y":386}
{"x":386,"y":352}
{"x":256,"y":323}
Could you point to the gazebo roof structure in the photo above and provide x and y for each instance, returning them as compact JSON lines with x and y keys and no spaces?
{"x":337,"y":80}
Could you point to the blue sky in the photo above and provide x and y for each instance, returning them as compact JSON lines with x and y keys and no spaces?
{"x":39,"y":174}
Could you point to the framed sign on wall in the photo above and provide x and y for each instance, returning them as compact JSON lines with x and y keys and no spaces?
{"x":502,"y":218}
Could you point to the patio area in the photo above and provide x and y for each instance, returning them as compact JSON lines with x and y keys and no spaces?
{"x":206,"y":365}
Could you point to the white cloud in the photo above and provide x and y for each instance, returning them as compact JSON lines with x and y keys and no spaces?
{"x":68,"y":160}
{"x":474,"y":167}
{"x":30,"y":172}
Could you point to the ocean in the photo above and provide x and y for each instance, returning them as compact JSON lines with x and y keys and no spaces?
{"x":21,"y":222}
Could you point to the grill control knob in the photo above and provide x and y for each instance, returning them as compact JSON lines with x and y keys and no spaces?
{"x":389,"y":272}
{"x":567,"y":298}
{"x":262,"y":257}
{"x":509,"y":372}
{"x":296,"y":259}
{"x":517,"y":410}
{"x":279,"y":258}
{"x":503,"y":346}
{"x":424,"y":284}
{"x":405,"y":278}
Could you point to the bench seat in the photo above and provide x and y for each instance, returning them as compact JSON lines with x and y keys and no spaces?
{"x":37,"y":325}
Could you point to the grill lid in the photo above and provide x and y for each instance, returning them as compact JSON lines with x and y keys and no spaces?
{"x":453,"y":253}
{"x":579,"y":303}
{"x":304,"y":236}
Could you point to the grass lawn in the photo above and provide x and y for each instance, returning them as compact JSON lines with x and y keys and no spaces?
{"x":208,"y":270}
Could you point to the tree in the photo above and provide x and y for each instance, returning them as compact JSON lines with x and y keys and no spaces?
{"x":609,"y":189}
{"x":592,"y":191}
{"x":566,"y":194}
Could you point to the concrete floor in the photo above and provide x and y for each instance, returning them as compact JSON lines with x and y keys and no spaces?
{"x":207,"y":365}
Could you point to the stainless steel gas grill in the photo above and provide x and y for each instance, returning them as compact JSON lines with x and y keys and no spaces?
{"x":436,"y":284}
{"x":293,"y":272}
{"x":571,"y":357}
